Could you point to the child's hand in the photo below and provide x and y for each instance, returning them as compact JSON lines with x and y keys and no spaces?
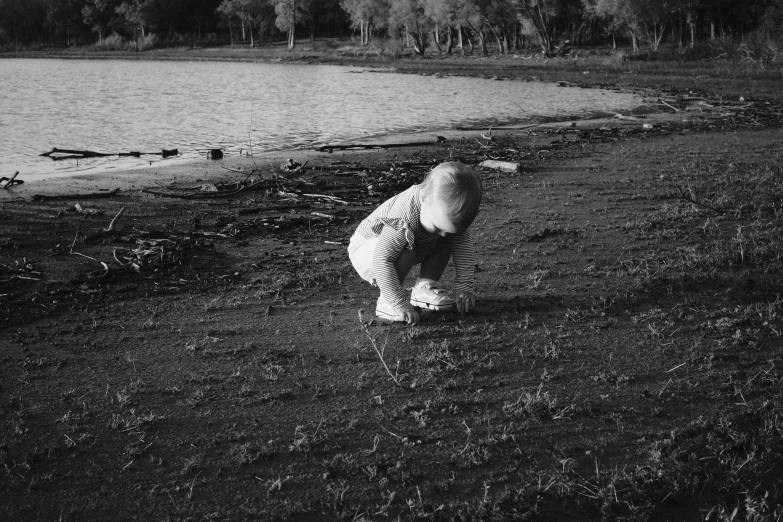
{"x":466,"y":301}
{"x":411,"y":315}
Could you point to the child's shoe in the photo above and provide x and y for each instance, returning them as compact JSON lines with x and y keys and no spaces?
{"x":386,"y":311}
{"x":427,"y":295}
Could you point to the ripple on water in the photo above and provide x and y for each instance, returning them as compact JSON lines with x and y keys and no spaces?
{"x":124,"y":105}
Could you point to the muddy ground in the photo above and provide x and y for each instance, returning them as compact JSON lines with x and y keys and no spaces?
{"x":215,"y":357}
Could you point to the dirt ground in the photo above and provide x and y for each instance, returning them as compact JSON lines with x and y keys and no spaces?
{"x":215,"y":357}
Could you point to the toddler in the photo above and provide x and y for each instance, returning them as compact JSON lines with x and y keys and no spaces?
{"x":428,"y":225}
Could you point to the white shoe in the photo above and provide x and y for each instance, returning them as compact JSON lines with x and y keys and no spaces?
{"x":386,"y":311}
{"x":431,"y":297}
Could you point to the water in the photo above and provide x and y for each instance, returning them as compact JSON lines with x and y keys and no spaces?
{"x":126,"y":105}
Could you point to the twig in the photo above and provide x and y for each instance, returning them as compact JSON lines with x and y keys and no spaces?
{"x":675,"y":109}
{"x":114,"y":221}
{"x":664,"y":387}
{"x":689,"y":199}
{"x":324,"y":196}
{"x":378,"y":350}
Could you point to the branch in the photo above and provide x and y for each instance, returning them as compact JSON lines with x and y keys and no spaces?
{"x":689,"y":199}
{"x":42,"y":197}
{"x":10,"y":180}
{"x":379,"y":351}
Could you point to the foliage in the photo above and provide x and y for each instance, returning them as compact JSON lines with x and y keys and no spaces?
{"x":696,"y":27}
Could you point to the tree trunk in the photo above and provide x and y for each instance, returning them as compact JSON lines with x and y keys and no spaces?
{"x":244,"y":37}
{"x":291,"y":37}
{"x":252,"y":40}
{"x":449,"y":39}
{"x":460,"y":45}
{"x":692,"y":26}
{"x":712,"y":30}
{"x":231,"y":32}
{"x":437,"y":43}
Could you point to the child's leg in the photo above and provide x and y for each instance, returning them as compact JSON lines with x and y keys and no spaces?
{"x":426,"y":293}
{"x":433,"y":266}
{"x":404,"y":264}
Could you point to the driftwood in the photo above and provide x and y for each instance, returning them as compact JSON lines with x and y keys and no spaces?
{"x":82,"y":154}
{"x":330,"y":148}
{"x":11,"y":180}
{"x":504,"y":166}
{"x":90,"y":195}
{"x":107,"y":231}
{"x":271,"y":208}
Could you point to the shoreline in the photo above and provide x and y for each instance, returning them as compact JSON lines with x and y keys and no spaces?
{"x":206,"y":170}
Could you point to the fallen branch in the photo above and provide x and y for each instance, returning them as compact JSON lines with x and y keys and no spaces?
{"x":105,"y":232}
{"x":689,"y":199}
{"x":86,"y":256}
{"x":91,"y":195}
{"x":200,"y":195}
{"x":675,"y":109}
{"x":330,"y":198}
{"x":11,"y":180}
{"x":271,"y":208}
{"x":82,"y":154}
{"x":330,"y":148}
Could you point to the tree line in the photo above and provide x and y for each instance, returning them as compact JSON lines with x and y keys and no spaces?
{"x":492,"y":26}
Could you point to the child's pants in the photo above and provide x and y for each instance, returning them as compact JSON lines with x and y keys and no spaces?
{"x":361,"y":252}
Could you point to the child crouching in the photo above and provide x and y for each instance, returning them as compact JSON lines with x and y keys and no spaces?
{"x":427,"y":225}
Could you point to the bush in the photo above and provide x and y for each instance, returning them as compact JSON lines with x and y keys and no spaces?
{"x":113,"y":42}
{"x":150,"y":41}
{"x":760,"y":46}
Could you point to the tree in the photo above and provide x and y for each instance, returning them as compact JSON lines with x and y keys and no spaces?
{"x":22,"y":21}
{"x":288,"y":14}
{"x":367,"y":16}
{"x":409,"y":16}
{"x":132,"y":12}
{"x":540,"y":15}
{"x":249,"y":13}
{"x":65,"y":16}
{"x":98,"y":15}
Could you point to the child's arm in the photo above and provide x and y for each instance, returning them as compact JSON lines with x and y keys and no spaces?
{"x":463,"y":255}
{"x":391,"y":243}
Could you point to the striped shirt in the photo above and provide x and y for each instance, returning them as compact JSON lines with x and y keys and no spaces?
{"x":397,"y":225}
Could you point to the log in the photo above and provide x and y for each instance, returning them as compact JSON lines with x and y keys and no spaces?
{"x":82,"y":154}
{"x":91,"y":195}
{"x":331,"y":148}
{"x":505,"y":166}
{"x":271,"y":208}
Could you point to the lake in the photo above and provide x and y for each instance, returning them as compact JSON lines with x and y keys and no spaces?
{"x":128,"y":105}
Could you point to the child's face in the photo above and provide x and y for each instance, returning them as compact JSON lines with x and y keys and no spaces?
{"x":435,"y":219}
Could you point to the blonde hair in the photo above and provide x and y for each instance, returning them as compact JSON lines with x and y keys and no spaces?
{"x":458,"y":188}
